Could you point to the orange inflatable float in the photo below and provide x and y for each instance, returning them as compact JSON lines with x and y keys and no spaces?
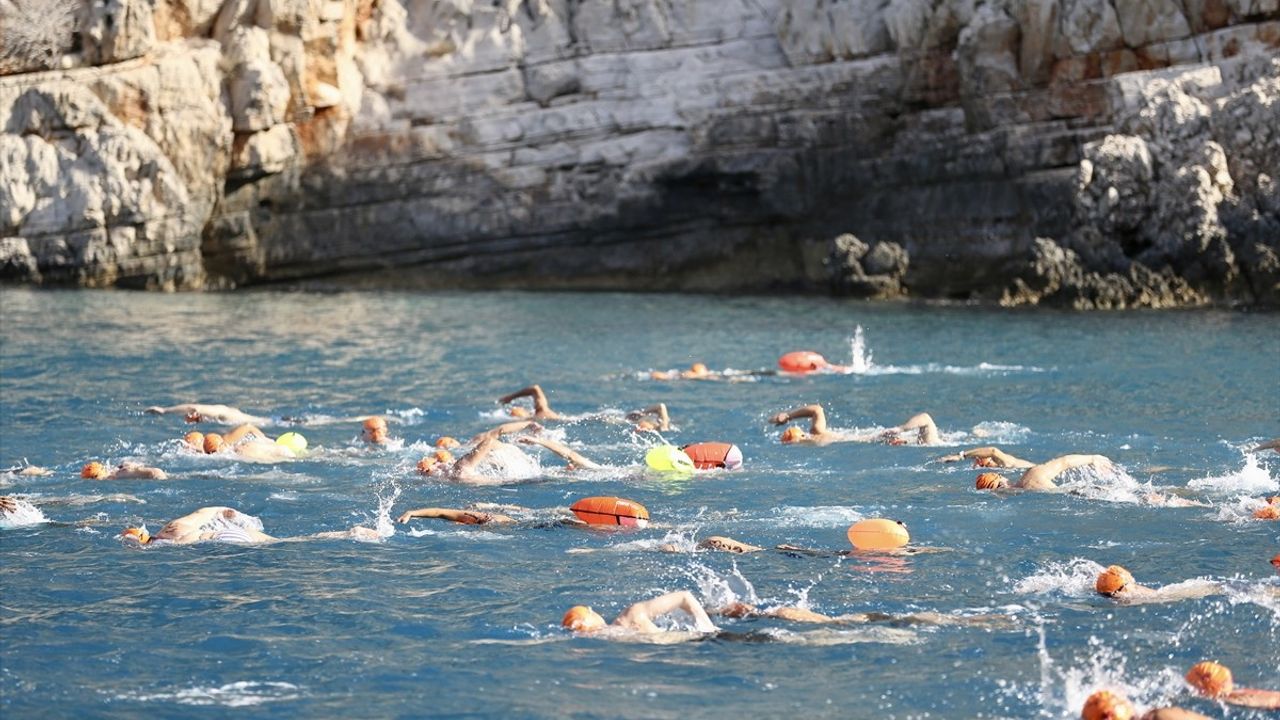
{"x":878,"y":534}
{"x":802,"y":361}
{"x":611,"y":511}
{"x":711,"y":455}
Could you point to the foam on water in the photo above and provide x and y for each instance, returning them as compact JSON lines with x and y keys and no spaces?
{"x":245,"y":693}
{"x":822,"y":516}
{"x":1073,"y":578}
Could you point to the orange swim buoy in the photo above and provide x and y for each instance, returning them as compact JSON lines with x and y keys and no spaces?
{"x":611,"y":511}
{"x":802,"y":361}
{"x":711,"y":455}
{"x":878,"y":534}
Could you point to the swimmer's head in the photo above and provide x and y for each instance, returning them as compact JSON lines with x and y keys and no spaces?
{"x":193,"y":417}
{"x":581,"y":618}
{"x":213,"y":442}
{"x":1210,"y":679}
{"x":1267,"y":512}
{"x":793,"y":434}
{"x":990,"y":481}
{"x":94,"y":471}
{"x":519,"y":412}
{"x":375,"y":430}
{"x":1106,"y":705}
{"x":698,"y":369}
{"x":447,"y":442}
{"x":1112,"y":580}
{"x":985,"y":462}
{"x":895,"y":440}
{"x":1276,"y":561}
{"x":138,"y":535}
{"x":435,"y":463}
{"x":194,"y":440}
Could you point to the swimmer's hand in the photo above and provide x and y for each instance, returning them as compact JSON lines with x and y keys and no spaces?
{"x":780,"y":418}
{"x":404,"y":518}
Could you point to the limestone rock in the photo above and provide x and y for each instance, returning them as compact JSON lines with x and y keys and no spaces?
{"x":116,"y":30}
{"x":861,"y":270}
{"x":266,"y":152}
{"x":1143,"y":22}
{"x":1088,"y":26}
{"x":259,"y":96}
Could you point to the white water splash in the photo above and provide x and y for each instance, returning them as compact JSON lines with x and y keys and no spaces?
{"x":717,"y":590}
{"x":1252,"y":478}
{"x":820,"y":516}
{"x":1074,"y":578}
{"x":245,"y":693}
{"x":859,"y":356}
{"x":24,"y":515}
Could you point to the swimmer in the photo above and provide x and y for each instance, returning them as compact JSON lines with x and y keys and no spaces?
{"x":27,"y":470}
{"x":224,"y":524}
{"x":220,"y":414}
{"x":661,"y":421}
{"x":541,"y":409}
{"x":1268,"y":445}
{"x":574,"y":459}
{"x":696,"y":371}
{"x":988,"y":457}
{"x":1214,"y":680}
{"x":374,"y":430}
{"x":465,"y":517}
{"x":1118,"y":584}
{"x":820,"y":434}
{"x":992,"y":481}
{"x":1106,"y":705}
{"x":715,"y":542}
{"x":639,"y":617}
{"x":466,"y":468}
{"x":246,"y":441}
{"x":124,"y":471}
{"x":802,"y":615}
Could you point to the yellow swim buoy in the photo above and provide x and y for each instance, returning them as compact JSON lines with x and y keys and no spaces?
{"x":293,"y":441}
{"x":668,"y":458}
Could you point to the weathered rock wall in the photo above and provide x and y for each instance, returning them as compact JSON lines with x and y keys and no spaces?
{"x":1096,"y":153}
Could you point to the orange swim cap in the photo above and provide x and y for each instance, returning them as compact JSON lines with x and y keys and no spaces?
{"x":375,"y":423}
{"x":1106,"y":705}
{"x":1210,"y":678}
{"x":375,"y":430}
{"x":426,"y":466}
{"x":1276,"y":561}
{"x":1269,"y":512}
{"x":698,"y":369}
{"x":447,"y":442}
{"x":1112,"y":580}
{"x":213,"y":443}
{"x":94,"y":471}
{"x":793,"y":434}
{"x":581,"y":618}
{"x":517,"y":411}
{"x":990,"y":481}
{"x":444,"y":456}
{"x":194,"y":439}
{"x":138,"y":534}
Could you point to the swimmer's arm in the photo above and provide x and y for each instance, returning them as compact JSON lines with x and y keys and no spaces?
{"x":570,"y":455}
{"x":467,"y":463}
{"x":643,"y":613}
{"x":923,"y":422}
{"x":797,"y":550}
{"x":533,"y":391}
{"x":507,"y":429}
{"x":242,"y":431}
{"x":1254,"y":698}
{"x":819,"y":417}
{"x":1040,"y":477}
{"x":659,"y":411}
{"x":466,"y":517}
{"x":727,"y":544}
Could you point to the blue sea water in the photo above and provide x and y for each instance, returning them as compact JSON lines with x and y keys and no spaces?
{"x":442,"y":619}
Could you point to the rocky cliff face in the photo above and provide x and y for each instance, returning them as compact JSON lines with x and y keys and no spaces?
{"x":1094,"y":153}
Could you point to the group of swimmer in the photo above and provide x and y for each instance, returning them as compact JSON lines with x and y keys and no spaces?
{"x":488,"y":458}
